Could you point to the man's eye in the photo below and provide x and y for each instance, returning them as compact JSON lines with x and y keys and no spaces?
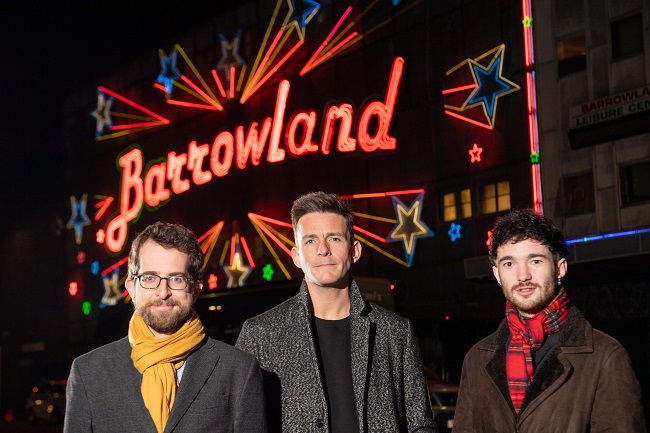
{"x":178,"y":279}
{"x":148,"y":278}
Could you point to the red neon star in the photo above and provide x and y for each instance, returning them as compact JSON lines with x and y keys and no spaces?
{"x":475,"y":153}
{"x":212,"y":282}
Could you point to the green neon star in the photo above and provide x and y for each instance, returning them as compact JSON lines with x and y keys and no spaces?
{"x":534,"y":158}
{"x":267,"y":272}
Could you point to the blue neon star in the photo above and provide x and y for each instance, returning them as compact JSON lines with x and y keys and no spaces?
{"x":454,"y":232}
{"x":410,"y":226}
{"x":112,"y":292}
{"x":300,"y":13}
{"x":102,"y":113}
{"x":490,"y":85}
{"x":169,"y":72}
{"x":79,"y":219}
{"x":230,"y":54}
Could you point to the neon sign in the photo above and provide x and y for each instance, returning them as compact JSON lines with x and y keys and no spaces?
{"x":153,"y":186}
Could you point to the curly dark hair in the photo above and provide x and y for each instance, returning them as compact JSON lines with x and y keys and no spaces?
{"x":521,"y":224}
{"x":170,"y":236}
{"x":322,"y":202}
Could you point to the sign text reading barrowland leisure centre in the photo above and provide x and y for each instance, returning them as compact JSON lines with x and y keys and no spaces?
{"x":610,"y":107}
{"x":176,"y":172}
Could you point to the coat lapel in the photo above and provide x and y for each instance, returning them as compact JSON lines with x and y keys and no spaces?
{"x":362,"y":341}
{"x":198,"y":368}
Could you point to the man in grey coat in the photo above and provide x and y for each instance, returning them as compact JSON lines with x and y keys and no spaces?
{"x":332,"y":361}
{"x":167,"y":375}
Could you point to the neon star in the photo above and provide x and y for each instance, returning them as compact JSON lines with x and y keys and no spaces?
{"x":454,"y":232}
{"x":112,"y":293}
{"x":237,"y":272}
{"x":102,"y":113}
{"x":230,"y":54}
{"x":267,"y":272}
{"x":81,"y":257}
{"x":534,"y":158}
{"x":527,"y":22}
{"x":410,"y":226}
{"x":79,"y":218}
{"x":475,"y":153}
{"x":300,"y":13}
{"x":169,"y":72}
{"x":491,"y":85}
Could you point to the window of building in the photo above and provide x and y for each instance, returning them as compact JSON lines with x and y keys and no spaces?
{"x":495,"y":197}
{"x":627,"y":36}
{"x":450,"y":208}
{"x":635,"y":182}
{"x":578,"y":194}
{"x":571,"y":54}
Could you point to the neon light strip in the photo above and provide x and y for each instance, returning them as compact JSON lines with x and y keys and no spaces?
{"x":201,"y":92}
{"x":264,"y":41}
{"x":218,"y":81}
{"x":332,"y":52}
{"x":372,"y":235}
{"x":248,"y":252}
{"x":606,"y":236}
{"x":268,"y":246}
{"x":382,"y":194}
{"x":104,"y":204}
{"x":162,"y":120}
{"x":232,"y":82}
{"x":224,"y":252}
{"x":376,"y":218}
{"x":191,"y":104}
{"x":252,"y":81}
{"x":527,"y":19}
{"x":271,"y":220}
{"x":459,"y":89}
{"x":307,"y":66}
{"x":233,"y":246}
{"x":197,"y":74}
{"x":279,"y":235}
{"x":116,"y":265}
{"x":467,"y":119}
{"x":253,"y":218}
{"x":376,"y":248}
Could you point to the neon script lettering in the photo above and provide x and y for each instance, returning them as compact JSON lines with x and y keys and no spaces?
{"x":177,"y":172}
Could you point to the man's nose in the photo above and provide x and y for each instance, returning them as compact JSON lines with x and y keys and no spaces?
{"x":163,"y":289}
{"x":323,"y":249}
{"x":523,"y":274}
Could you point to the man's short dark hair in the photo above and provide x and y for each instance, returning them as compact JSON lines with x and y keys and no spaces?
{"x":521,"y":224}
{"x":169,"y":236}
{"x":322,"y":202}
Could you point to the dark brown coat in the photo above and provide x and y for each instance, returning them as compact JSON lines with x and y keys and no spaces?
{"x":586,"y":385}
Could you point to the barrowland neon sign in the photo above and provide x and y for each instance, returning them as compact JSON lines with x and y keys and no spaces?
{"x":177,"y":172}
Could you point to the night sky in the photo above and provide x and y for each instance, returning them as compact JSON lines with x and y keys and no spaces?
{"x":50,"y":49}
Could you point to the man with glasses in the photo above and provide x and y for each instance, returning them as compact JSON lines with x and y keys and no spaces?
{"x":166,"y":375}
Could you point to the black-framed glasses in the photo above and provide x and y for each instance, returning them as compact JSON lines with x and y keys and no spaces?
{"x":152,"y":281}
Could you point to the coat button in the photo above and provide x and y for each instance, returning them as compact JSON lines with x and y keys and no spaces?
{"x":319,"y":423}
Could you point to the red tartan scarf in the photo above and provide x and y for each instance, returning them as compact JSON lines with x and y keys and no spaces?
{"x":528,"y":336}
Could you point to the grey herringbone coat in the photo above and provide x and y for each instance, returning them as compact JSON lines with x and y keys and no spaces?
{"x":389,"y":386}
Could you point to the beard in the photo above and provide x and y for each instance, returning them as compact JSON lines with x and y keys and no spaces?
{"x":544,"y":294}
{"x":166,"y":322}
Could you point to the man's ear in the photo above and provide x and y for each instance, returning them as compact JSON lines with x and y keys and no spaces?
{"x":130,"y":287}
{"x":356,"y":251}
{"x":495,"y":271}
{"x":296,"y":257}
{"x":561,"y":268}
{"x":198,"y":286}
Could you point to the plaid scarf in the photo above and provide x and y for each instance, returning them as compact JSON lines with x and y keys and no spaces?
{"x":527,"y":337}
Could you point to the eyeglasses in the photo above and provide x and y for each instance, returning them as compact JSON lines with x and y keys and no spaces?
{"x":152,"y":281}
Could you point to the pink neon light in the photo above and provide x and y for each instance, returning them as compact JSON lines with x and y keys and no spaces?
{"x":307,"y":67}
{"x":263,"y":63}
{"x":247,"y":251}
{"x":367,"y":233}
{"x":270,"y":220}
{"x":201,"y":92}
{"x":467,"y":119}
{"x":382,"y":194}
{"x":116,"y":265}
{"x":333,"y":50}
{"x":233,"y":241}
{"x":459,"y":89}
{"x":272,"y":71}
{"x":134,"y":105}
{"x":193,"y":105}
{"x":268,"y":232}
{"x":104,"y":204}
{"x":232,"y":81}
{"x":218,"y":81}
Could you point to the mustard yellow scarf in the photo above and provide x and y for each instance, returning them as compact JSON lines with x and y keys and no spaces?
{"x":158,"y":359}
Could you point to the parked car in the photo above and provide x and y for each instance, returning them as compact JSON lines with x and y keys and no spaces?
{"x":442,"y":397}
{"x":46,"y":402}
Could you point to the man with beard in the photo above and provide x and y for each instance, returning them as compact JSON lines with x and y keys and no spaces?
{"x":166,"y":375}
{"x":545,"y":369}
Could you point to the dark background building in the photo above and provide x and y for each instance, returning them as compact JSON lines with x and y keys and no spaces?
{"x":471,"y":141}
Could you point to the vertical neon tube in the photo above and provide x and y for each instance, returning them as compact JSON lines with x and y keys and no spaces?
{"x":533,"y":134}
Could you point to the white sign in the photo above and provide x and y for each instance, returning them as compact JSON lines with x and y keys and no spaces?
{"x":610,"y":108}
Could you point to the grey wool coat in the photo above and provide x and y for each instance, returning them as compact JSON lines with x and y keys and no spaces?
{"x":585,"y":385}
{"x":220,"y":391}
{"x":389,"y":387}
